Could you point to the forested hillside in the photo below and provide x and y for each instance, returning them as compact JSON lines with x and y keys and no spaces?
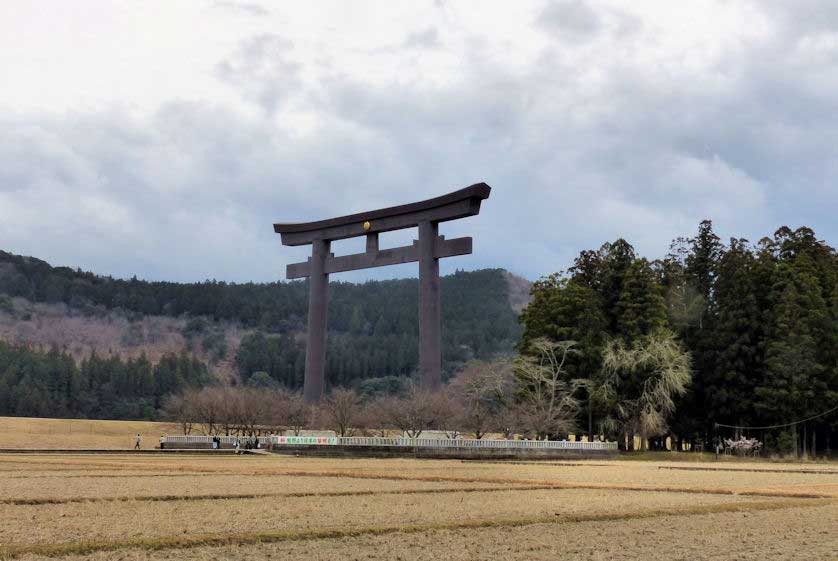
{"x":233,"y":330}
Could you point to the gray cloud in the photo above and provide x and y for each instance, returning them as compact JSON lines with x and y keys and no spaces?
{"x":804,"y":16}
{"x":244,"y":8}
{"x":573,"y":18}
{"x":262,"y":69}
{"x":576,"y":154}
{"x":426,"y":39}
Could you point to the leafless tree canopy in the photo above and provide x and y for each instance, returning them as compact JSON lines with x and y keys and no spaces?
{"x":341,"y":412}
{"x":237,"y":411}
{"x":418,"y":411}
{"x":481,"y":394}
{"x":545,"y":395}
{"x":178,"y":409}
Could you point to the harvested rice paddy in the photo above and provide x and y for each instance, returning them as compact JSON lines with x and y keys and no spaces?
{"x":127,"y":506}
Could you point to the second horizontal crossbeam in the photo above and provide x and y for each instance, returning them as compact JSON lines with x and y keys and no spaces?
{"x":382,"y":257}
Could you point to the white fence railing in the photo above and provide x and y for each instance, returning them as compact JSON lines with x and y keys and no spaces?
{"x":397,"y":442}
{"x":472,"y":443}
{"x":195,"y":439}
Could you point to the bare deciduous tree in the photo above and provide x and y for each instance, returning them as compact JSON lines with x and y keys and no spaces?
{"x":180,"y":409}
{"x":208,"y":405}
{"x":298,"y":413}
{"x":546,"y":396}
{"x":340,"y":411}
{"x":413,"y":414}
{"x":253,"y":409}
{"x":447,"y":414}
{"x":482,"y":391}
{"x":230,"y":407}
{"x":377,"y":415}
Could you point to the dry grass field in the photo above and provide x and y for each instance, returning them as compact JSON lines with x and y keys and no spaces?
{"x":276,"y":507}
{"x":79,"y":434}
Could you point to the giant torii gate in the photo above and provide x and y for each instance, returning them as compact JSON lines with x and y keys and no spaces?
{"x":427,"y":250}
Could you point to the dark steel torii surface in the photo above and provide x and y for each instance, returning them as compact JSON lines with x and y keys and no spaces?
{"x":427,"y":250}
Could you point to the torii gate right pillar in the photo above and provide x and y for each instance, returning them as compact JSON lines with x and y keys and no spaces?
{"x":430,"y":339}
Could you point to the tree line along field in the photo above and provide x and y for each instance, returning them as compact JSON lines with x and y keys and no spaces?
{"x":268,"y":506}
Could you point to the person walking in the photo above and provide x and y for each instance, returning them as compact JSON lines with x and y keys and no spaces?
{"x":137,"y":442}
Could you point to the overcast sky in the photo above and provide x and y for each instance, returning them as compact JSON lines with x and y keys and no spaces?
{"x":163,"y":139}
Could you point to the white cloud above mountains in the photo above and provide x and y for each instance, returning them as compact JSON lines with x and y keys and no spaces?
{"x":164,"y":139}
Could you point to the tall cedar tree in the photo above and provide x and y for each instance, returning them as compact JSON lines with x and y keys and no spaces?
{"x":728,"y":388}
{"x":702,"y":264}
{"x":792,"y":370}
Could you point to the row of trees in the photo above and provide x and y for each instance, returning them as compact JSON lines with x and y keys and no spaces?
{"x":531,"y":395}
{"x":36,"y":383}
{"x":760,"y":322}
{"x":478,"y":401}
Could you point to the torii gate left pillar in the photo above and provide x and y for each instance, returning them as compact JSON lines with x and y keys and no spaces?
{"x":427,"y":250}
{"x":318,"y":304}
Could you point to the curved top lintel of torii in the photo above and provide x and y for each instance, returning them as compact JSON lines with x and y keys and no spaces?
{"x":454,"y":205}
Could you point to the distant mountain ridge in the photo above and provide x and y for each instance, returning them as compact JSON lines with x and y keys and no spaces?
{"x":372,"y":326}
